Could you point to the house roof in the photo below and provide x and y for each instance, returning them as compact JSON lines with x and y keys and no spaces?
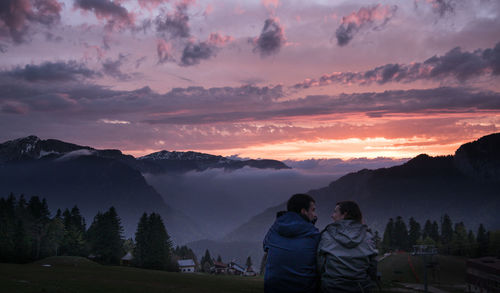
{"x":186,"y":263}
{"x":128,"y":256}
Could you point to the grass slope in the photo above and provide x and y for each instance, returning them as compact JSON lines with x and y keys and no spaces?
{"x":73,"y":274}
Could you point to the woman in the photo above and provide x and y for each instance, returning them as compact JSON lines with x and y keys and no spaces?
{"x":346,"y":252}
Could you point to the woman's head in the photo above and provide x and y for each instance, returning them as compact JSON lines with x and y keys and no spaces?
{"x":347,"y":210}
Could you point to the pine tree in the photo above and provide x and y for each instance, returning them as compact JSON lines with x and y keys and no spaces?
{"x":141,"y":240}
{"x":482,"y":241}
{"x":446,"y":230}
{"x":459,"y":241}
{"x":427,"y":232}
{"x":249,"y":262}
{"x":7,"y":228}
{"x":74,"y":242}
{"x":206,"y":262}
{"x":435,"y":232}
{"x":153,"y":248}
{"x":472,"y":245}
{"x":388,"y":241}
{"x":39,"y":216}
{"x":105,"y":237}
{"x":219,"y":258}
{"x":400,"y":234}
{"x":414,"y":234}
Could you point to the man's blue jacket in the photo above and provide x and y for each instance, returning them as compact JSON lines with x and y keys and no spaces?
{"x":291,"y":255}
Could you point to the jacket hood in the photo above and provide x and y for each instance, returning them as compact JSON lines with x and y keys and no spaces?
{"x":348,"y":233}
{"x":292,"y":224}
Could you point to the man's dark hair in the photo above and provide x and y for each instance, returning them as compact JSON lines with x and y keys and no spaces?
{"x":351,"y":209}
{"x":298,"y":202}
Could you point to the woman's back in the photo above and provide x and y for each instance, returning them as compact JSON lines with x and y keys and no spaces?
{"x":346,"y":257}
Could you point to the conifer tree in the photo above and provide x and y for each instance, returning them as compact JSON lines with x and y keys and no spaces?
{"x":459,"y":242}
{"x":435,"y":232}
{"x":427,"y":231}
{"x":141,"y":240}
{"x":105,"y":237}
{"x":219,"y":258}
{"x":388,"y":240}
{"x":249,"y":262}
{"x":39,"y":217}
{"x":482,"y":241}
{"x":400,"y":234}
{"x":74,"y":241}
{"x":153,"y":246}
{"x":7,"y":228}
{"x":414,"y":234}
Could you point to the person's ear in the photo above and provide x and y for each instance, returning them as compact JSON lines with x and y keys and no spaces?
{"x":303,"y":211}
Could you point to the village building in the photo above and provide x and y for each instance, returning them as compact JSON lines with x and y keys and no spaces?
{"x":235,"y":269}
{"x":219,"y":268}
{"x":249,"y":272}
{"x":127,"y":259}
{"x":186,"y":265}
{"x":483,"y":275}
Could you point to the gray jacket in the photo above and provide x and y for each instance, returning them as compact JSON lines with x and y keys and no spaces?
{"x":346,"y":258}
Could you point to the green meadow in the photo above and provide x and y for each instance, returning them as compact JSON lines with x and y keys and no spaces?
{"x":78,"y":275}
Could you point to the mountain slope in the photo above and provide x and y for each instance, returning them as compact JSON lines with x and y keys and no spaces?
{"x":68,"y":175}
{"x":466,"y":186}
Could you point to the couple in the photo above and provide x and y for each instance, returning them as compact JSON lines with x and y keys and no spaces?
{"x":301,"y":259}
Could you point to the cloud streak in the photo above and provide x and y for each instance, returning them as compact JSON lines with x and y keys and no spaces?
{"x":52,"y":71}
{"x":373,"y":17}
{"x":455,"y":64}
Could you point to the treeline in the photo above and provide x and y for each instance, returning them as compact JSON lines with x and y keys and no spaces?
{"x":449,"y":238}
{"x":28,"y":233}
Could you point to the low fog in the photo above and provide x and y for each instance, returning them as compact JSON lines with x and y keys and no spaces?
{"x":219,"y":201}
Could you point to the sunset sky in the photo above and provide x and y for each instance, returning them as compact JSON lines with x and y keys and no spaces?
{"x":261,"y":79}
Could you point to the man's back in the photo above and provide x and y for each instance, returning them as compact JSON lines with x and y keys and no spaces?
{"x":291,"y":260}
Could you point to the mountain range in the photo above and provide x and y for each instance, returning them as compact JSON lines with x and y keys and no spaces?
{"x":67,"y":174}
{"x":466,"y":186}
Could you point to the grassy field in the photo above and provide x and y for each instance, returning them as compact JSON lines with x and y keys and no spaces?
{"x":449,"y":272}
{"x":75,"y":274}
{"x":71,"y":274}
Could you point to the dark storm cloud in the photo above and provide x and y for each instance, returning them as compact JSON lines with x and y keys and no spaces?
{"x":271,"y":38}
{"x":175,"y":24}
{"x":17,"y":16}
{"x":193,"y":53}
{"x":52,"y":71}
{"x":366,"y":17}
{"x":455,"y":64}
{"x":113,"y":12}
{"x":112,"y":68}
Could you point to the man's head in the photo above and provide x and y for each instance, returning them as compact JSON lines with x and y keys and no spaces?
{"x":303,"y":205}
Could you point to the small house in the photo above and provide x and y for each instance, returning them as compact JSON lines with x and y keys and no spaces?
{"x":250,"y":272}
{"x":186,"y":265}
{"x":127,"y":259}
{"x":219,"y":268}
{"x":235,"y":269}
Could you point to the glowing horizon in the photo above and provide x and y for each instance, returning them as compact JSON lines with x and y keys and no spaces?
{"x":258,"y":79}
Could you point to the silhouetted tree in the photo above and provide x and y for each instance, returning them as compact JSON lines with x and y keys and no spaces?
{"x":482,"y":241}
{"x":400,"y":234}
{"x":219,"y":258}
{"x":153,"y":248}
{"x":414,"y":233}
{"x":249,"y":262}
{"x":105,"y":237}
{"x":388,"y":241}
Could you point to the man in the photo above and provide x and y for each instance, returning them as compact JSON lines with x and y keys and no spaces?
{"x":291,"y":244}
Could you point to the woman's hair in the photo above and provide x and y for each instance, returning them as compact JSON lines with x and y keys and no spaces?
{"x":351,"y":210}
